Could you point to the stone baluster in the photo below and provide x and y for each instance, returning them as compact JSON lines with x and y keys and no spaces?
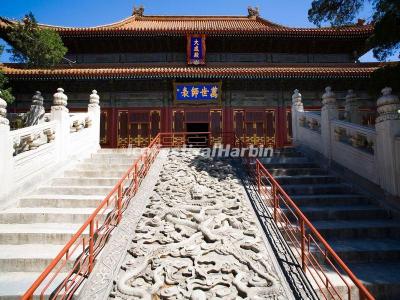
{"x":387,"y":129}
{"x":60,"y":113}
{"x":329,"y":112}
{"x":6,"y":151}
{"x":94,"y":114}
{"x":352,"y":108}
{"x":297,"y":106}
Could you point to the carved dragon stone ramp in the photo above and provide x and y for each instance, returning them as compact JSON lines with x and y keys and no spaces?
{"x":198,"y":238}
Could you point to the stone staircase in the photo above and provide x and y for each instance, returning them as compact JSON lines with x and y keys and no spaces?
{"x":33,"y":233}
{"x":365,"y":235}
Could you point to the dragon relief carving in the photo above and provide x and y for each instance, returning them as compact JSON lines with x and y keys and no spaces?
{"x":197,"y":239}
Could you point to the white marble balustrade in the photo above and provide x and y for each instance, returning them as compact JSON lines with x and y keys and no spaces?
{"x":32,"y":154}
{"x":371,"y":152}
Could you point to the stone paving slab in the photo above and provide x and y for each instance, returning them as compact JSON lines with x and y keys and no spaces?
{"x":197,"y":238}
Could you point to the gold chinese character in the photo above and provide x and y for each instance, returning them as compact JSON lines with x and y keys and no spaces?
{"x":196,"y":49}
{"x":196,"y":42}
{"x":204,"y":91}
{"x":214,"y":92}
{"x":185,"y":92}
{"x":196,"y":55}
{"x":195,"y":92}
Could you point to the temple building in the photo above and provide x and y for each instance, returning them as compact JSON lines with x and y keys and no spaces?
{"x":199,"y":74}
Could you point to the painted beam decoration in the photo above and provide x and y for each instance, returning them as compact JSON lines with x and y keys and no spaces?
{"x":197,"y":92}
{"x":196,"y":49}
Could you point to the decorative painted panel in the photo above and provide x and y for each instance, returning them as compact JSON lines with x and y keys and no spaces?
{"x":155,"y":122}
{"x":270,"y":134}
{"x":136,"y":128}
{"x":238,"y":126}
{"x":123,"y":124}
{"x":256,"y":127}
{"x":216,"y":126}
{"x":178,"y":121}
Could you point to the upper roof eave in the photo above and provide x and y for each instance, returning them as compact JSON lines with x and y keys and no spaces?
{"x":212,"y":25}
{"x":268,"y":71}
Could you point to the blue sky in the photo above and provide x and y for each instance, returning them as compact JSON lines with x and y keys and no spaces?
{"x":98,"y":12}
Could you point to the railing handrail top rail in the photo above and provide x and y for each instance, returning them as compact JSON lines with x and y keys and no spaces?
{"x":361,"y":128}
{"x":26,"y":130}
{"x":355,"y":280}
{"x":312,"y":114}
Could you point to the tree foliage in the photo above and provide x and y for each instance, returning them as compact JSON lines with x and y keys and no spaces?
{"x":33,"y":45}
{"x":5,"y":93}
{"x":386,"y":16}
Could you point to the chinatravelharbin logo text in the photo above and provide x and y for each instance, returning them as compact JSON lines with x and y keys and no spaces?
{"x":227,"y":151}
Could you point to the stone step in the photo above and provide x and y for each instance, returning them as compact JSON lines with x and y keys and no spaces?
{"x":84,"y":181}
{"x":61,"y":201}
{"x":313,"y":189}
{"x":130,"y":151}
{"x":105,"y":155}
{"x":286,"y":150}
{"x":110,"y":160}
{"x":341,"y":229}
{"x":26,"y":215}
{"x":15,"y":284}
{"x":102,"y":166}
{"x":367,"y":250}
{"x":94,"y":173}
{"x":284,"y":160}
{"x":290,"y":165}
{"x":287,"y":154}
{"x":330,"y":200}
{"x":297,"y":172}
{"x":39,"y":233}
{"x":310,"y":179}
{"x":381,"y":279}
{"x":74,"y":190}
{"x":29,"y":257}
{"x":345,"y":212}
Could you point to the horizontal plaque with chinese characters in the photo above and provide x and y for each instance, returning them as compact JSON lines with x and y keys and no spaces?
{"x":196,"y":49}
{"x":197,"y":92}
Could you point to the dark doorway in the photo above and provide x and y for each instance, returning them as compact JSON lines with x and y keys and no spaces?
{"x":197,"y":127}
{"x":197,"y":139}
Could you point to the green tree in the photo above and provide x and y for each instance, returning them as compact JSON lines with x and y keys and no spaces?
{"x":386,"y":17}
{"x":33,"y":45}
{"x":5,"y":93}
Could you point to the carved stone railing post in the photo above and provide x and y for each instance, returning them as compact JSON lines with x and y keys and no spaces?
{"x":94,"y":114}
{"x":6,"y":151}
{"x":297,"y":106}
{"x":60,"y":113}
{"x":352,"y":108}
{"x":387,"y":129}
{"x":329,"y":112}
{"x":36,"y":113}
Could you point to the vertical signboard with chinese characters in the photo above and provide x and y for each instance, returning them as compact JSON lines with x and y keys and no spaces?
{"x":196,"y":49}
{"x":197,"y":93}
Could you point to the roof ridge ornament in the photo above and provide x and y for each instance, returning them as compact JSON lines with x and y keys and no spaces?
{"x":138,"y":11}
{"x":253,"y":12}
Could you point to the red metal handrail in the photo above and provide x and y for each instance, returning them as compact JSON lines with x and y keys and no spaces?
{"x":300,"y":232}
{"x":111,"y":208}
